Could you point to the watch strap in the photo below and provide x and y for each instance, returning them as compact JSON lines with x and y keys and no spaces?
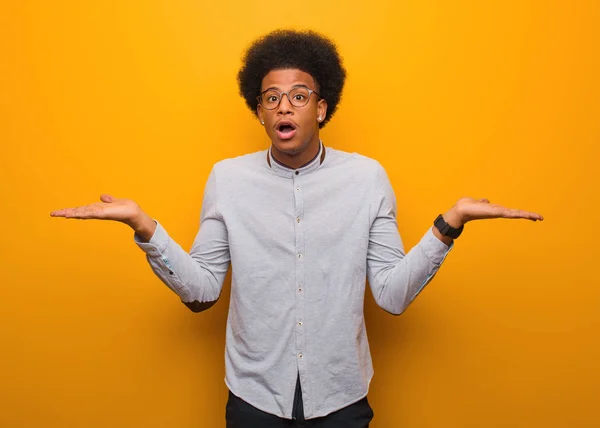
{"x":446,"y":229}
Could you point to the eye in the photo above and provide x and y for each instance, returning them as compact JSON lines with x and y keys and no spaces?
{"x":299,"y":97}
{"x":272,"y":98}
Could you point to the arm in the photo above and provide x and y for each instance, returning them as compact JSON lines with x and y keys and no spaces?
{"x":396,"y":277}
{"x":196,"y":277}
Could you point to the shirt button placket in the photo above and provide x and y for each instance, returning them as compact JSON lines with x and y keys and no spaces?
{"x":300,"y":275}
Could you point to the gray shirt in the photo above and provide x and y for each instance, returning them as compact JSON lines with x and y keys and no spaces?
{"x":301,"y":244}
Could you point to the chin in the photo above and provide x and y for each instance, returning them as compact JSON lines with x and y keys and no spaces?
{"x":289,"y":147}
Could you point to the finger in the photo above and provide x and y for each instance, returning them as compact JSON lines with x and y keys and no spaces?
{"x":72,"y":212}
{"x":107,"y":198}
{"x":57,"y":213}
{"x":82,"y":212}
{"x":64,"y":212}
{"x":530,"y":215}
{"x":487,"y":201}
{"x":89,"y":211}
{"x":516,"y":213}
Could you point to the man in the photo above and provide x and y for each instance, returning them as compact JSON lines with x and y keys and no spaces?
{"x":302,"y":226}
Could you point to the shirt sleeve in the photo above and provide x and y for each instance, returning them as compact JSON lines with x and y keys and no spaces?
{"x":199,"y":274}
{"x":396,"y":277}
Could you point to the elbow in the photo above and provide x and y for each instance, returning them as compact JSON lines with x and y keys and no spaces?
{"x":197,"y":306}
{"x":393,"y":303}
{"x":395,"y":310}
{"x":205,"y":296}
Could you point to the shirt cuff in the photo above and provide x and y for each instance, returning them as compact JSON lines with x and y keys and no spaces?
{"x":157,"y":244}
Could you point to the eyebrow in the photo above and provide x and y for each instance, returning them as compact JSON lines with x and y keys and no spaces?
{"x":298,"y":85}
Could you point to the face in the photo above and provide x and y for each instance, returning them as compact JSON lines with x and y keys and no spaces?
{"x":294,"y":131}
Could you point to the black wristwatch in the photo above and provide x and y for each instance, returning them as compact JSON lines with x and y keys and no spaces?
{"x":446,"y":229}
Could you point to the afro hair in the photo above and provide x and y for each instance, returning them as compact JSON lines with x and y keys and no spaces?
{"x":308,"y":51}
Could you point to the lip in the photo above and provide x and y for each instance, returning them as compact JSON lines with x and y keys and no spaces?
{"x":285,"y":135}
{"x":285,"y":122}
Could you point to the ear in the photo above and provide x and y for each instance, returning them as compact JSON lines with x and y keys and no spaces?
{"x":322,"y":109}
{"x":259,"y":113}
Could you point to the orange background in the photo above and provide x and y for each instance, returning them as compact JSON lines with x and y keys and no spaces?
{"x":139,"y":99}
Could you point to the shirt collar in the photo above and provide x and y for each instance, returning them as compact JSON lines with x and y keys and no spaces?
{"x":288,"y":172}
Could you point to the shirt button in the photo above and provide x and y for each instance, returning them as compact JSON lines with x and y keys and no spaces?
{"x":297,"y":172}
{"x":300,"y":323}
{"x":300,"y":356}
{"x":297,"y":189}
{"x":300,"y":290}
{"x":299,"y":256}
{"x":298,"y":220}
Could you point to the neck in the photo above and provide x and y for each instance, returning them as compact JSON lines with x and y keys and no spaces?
{"x":299,"y":159}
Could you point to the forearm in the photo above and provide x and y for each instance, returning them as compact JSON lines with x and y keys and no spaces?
{"x":144,"y":226}
{"x":195,"y":276}
{"x":397,"y":285}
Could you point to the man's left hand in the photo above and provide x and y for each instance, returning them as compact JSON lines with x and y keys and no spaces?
{"x":469,"y":209}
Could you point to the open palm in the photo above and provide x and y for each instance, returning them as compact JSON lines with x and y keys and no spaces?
{"x":479,"y":209}
{"x":123,"y":210}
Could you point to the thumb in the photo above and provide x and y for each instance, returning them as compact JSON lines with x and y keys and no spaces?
{"x":107,"y":198}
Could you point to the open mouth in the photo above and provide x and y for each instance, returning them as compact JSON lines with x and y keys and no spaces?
{"x":285,"y":130}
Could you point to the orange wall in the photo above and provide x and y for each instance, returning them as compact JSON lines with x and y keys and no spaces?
{"x":486,"y":99}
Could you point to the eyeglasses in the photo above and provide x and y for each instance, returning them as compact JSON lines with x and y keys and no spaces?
{"x":298,"y":97}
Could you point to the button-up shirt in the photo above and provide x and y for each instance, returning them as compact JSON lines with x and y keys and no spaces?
{"x":301,"y":244}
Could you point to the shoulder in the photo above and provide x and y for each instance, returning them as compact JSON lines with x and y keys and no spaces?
{"x":247,"y":160}
{"x":240,"y":164}
{"x":359,"y":164}
{"x":364,"y":171}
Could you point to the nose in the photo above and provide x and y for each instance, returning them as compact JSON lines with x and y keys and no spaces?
{"x":285,"y":106}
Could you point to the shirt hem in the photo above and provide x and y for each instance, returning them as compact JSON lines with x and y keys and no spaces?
{"x":353,"y":401}
{"x":317,"y":415}
{"x":279,"y":415}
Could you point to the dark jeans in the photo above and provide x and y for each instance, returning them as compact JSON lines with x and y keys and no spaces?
{"x":240,"y":414}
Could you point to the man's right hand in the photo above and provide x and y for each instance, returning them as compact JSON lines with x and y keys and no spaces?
{"x":121,"y":210}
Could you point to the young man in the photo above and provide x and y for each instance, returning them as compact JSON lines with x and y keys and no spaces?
{"x":302,"y":226}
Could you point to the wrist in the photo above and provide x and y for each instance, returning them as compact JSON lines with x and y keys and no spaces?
{"x":143,"y":225}
{"x":454,"y":218}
